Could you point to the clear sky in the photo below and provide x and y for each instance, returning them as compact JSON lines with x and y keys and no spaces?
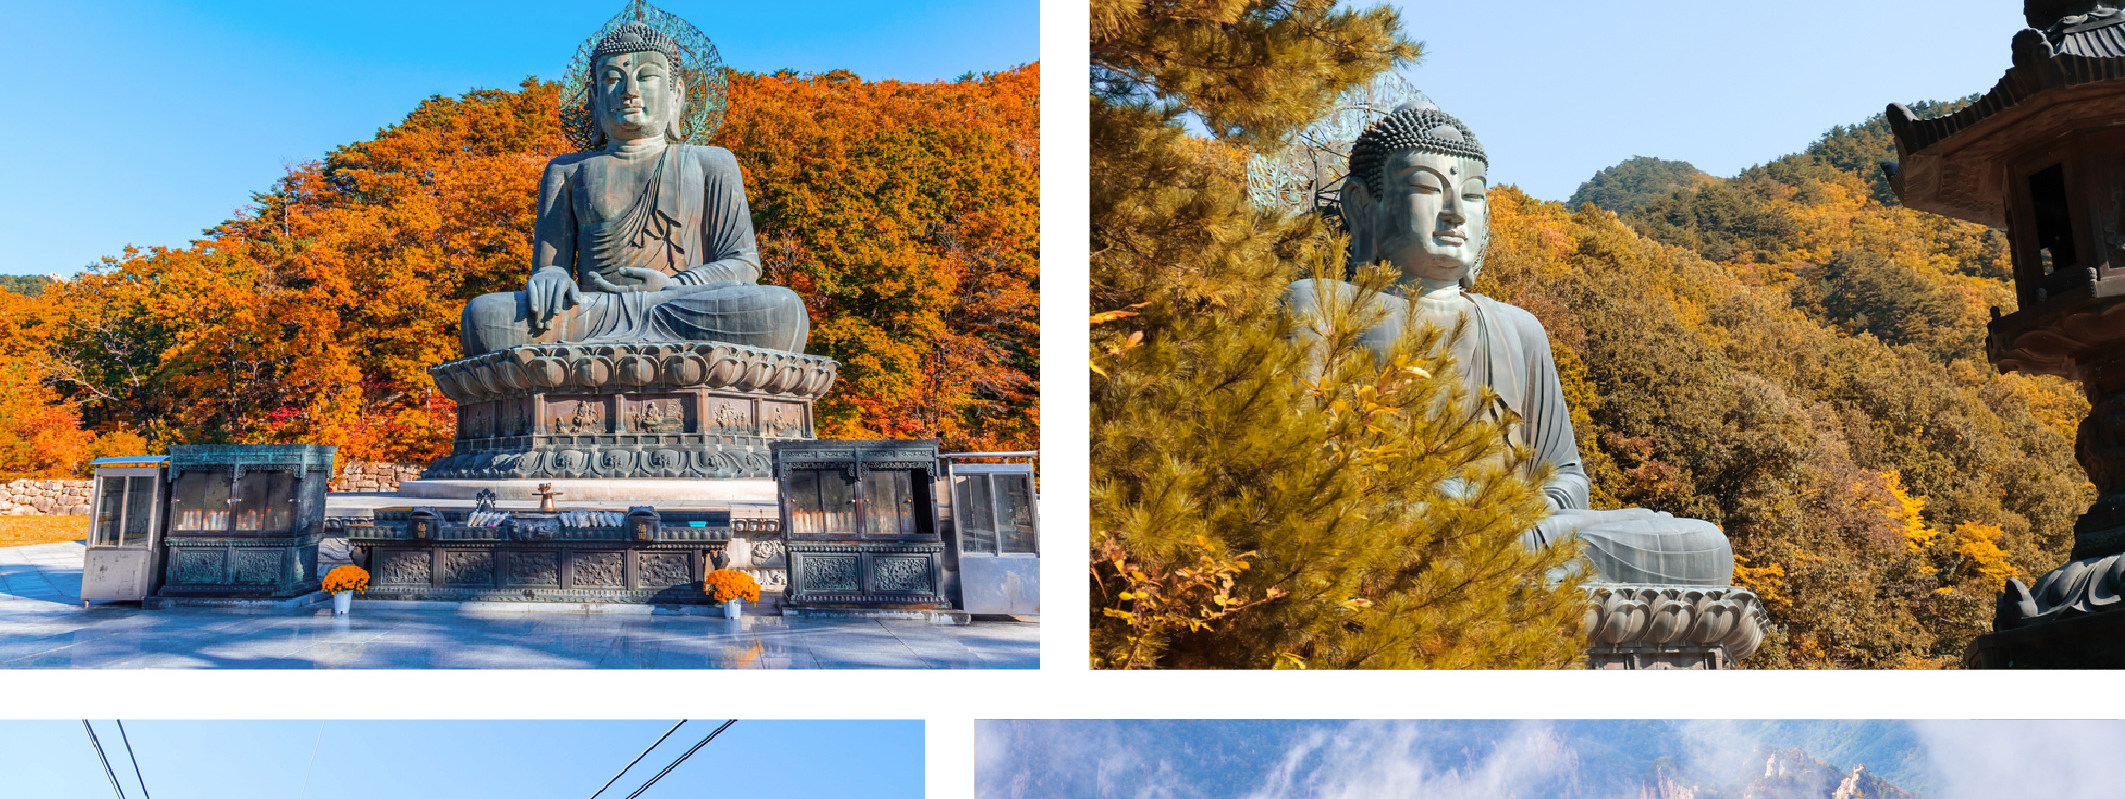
{"x":422,"y":759}
{"x":1558,"y":89}
{"x":146,"y":121}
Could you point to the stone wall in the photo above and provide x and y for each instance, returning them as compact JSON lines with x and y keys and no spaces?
{"x":374,"y":476}
{"x":52,"y":497}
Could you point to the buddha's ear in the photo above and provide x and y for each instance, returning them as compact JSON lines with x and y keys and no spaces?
{"x":1359,"y":210}
{"x":678,"y":107}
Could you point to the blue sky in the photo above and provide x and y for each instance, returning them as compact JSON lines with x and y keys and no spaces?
{"x":412,"y":759}
{"x":143,"y":122}
{"x":1558,"y":89}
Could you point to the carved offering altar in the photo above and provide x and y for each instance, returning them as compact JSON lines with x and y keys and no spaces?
{"x":245,"y":521}
{"x":590,"y":556}
{"x":860,"y":523}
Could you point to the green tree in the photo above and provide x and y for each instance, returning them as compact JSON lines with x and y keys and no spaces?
{"x":25,"y":285}
{"x":1254,"y":504}
{"x":1635,"y":182}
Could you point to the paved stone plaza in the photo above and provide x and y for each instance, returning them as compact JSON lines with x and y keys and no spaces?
{"x":42,"y":625}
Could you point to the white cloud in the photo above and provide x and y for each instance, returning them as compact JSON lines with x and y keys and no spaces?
{"x":1369,"y":760}
{"x":2053,"y":759}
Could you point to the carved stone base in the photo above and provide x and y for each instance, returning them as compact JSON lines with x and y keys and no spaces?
{"x":645,"y":410}
{"x":1671,"y":627}
{"x":867,"y":575}
{"x":240,"y":567}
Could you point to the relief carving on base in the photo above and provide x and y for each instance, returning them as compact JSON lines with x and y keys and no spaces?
{"x":660,"y":570}
{"x":597,"y":570}
{"x":769,"y":551}
{"x":404,"y":568}
{"x":659,"y":416}
{"x":830,"y":573}
{"x":196,"y":566}
{"x":535,"y":568}
{"x":468,"y":567}
{"x":577,"y":417}
{"x":910,"y":575}
{"x":257,"y":566}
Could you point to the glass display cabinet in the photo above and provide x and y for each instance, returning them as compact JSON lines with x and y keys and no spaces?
{"x":125,"y":531}
{"x":245,"y":521}
{"x":993,"y":515}
{"x":859,"y":521}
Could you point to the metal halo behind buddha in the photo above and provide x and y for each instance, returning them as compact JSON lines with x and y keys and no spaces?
{"x":693,"y":57}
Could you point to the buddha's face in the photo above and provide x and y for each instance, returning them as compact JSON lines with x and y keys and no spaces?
{"x":637,"y":95}
{"x":1433,"y":221}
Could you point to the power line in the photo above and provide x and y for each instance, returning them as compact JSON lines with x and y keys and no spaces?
{"x":313,"y":760}
{"x":136,"y":761}
{"x":106,"y":761}
{"x":638,"y":758}
{"x":682,"y":759}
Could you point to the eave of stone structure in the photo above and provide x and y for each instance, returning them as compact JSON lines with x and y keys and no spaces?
{"x":1950,"y":165}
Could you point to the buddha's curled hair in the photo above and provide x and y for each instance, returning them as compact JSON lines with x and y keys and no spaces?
{"x":1413,"y":126}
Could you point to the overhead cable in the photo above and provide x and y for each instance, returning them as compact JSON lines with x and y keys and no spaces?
{"x":682,"y":759}
{"x":136,"y":761}
{"x":107,"y":772}
{"x":638,"y":758}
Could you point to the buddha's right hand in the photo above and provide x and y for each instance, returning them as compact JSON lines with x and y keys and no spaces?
{"x":547,"y":290}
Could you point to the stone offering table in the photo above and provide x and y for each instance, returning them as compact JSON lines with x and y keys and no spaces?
{"x":641,"y":555}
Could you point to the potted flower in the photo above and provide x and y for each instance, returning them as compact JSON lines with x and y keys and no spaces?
{"x":733,"y":588}
{"x":344,"y":582}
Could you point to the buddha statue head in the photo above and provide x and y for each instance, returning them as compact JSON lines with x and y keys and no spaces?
{"x":637,"y":90}
{"x":1415,"y":196}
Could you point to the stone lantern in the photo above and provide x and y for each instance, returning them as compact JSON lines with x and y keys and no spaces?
{"x":2043,"y":155}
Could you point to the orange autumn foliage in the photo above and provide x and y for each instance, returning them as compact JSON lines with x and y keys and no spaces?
{"x":905,"y":214}
{"x":908,"y":217}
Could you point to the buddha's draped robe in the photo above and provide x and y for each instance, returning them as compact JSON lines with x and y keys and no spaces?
{"x":1506,"y":348}
{"x":679,"y":210}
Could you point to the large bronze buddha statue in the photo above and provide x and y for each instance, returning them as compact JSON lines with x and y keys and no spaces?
{"x":640,"y":237}
{"x":642,"y":346}
{"x":1415,"y":199}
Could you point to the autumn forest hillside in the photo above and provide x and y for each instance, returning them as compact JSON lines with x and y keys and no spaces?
{"x":1793,"y":355}
{"x":905,"y":214}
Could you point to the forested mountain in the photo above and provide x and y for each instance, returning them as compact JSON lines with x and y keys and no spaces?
{"x":1787,"y":355}
{"x":1635,"y":182}
{"x":25,"y":285}
{"x":906,"y":215}
{"x":1602,"y":759}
